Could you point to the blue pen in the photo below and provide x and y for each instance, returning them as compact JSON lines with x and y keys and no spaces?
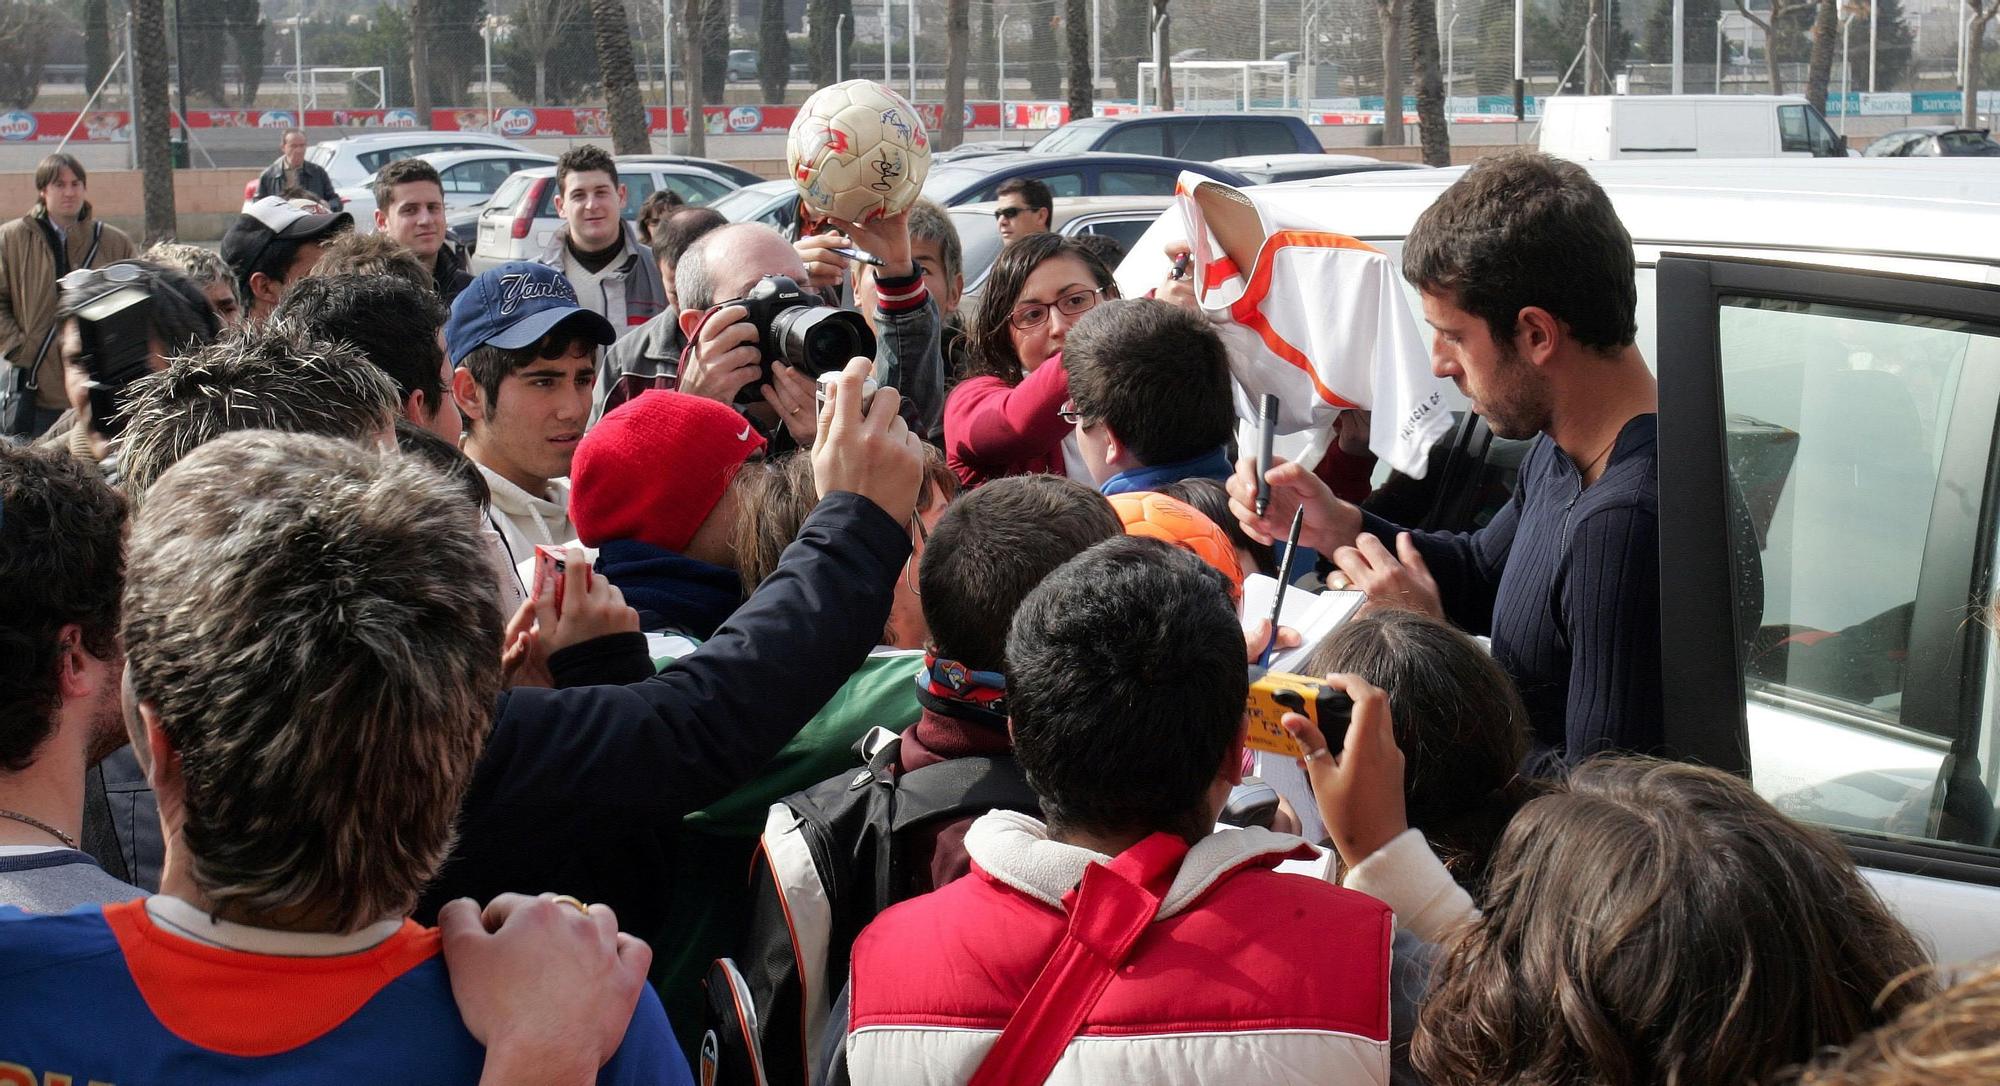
{"x":1284,"y":578}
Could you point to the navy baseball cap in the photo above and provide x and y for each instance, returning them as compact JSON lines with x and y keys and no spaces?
{"x":514,"y":306}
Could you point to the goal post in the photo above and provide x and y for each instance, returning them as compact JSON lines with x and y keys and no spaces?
{"x":1222,"y":85}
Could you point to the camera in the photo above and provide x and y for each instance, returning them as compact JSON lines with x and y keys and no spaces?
{"x":792,"y":328}
{"x":115,"y":328}
{"x":1275,"y":693}
{"x":826,"y":381}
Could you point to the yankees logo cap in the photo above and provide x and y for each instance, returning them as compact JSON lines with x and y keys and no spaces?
{"x":514,"y":306}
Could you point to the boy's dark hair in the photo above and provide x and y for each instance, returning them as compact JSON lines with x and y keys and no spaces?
{"x":658,"y":206}
{"x":1654,"y":922}
{"x":51,"y":167}
{"x":62,"y":561}
{"x":1458,"y":720}
{"x":683,"y":228}
{"x":929,"y":222}
{"x":350,"y":253}
{"x":1211,"y":499}
{"x":402,"y":172}
{"x":1154,"y":373}
{"x":1525,"y":229}
{"x":177,"y":314}
{"x":1105,"y":247}
{"x":490,"y":365}
{"x":583,"y":160}
{"x":392,"y":323}
{"x":420,"y":444}
{"x":1033,"y":193}
{"x":991,"y":347}
{"x":991,"y":548}
{"x":1125,"y":689}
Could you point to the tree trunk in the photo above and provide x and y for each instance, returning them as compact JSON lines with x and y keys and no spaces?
{"x":1825,"y":45}
{"x":715,"y":47}
{"x":987,"y":55}
{"x":1593,"y":67}
{"x":1076,"y":35}
{"x":150,"y":118}
{"x":1044,"y":67}
{"x":691,"y":67}
{"x":774,"y":51}
{"x":957,"y":47}
{"x":1433,"y":129}
{"x":1975,"y":37}
{"x":1391,"y":14}
{"x":820,"y":25}
{"x":621,"y":83}
{"x":1166,"y":53}
{"x":246,"y":32}
{"x":96,"y":43}
{"x":421,"y":13}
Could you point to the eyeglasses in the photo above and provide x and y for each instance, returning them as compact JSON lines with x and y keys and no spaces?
{"x":1008,"y":213}
{"x":1069,"y":414}
{"x":115,"y":273}
{"x":1069,"y":305}
{"x":916,"y":553}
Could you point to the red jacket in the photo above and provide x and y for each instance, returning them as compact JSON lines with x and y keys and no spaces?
{"x":1246,"y":975}
{"x":993,"y":429}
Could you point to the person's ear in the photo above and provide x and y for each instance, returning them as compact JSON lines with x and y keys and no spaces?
{"x":381,"y":219}
{"x":267,"y":290}
{"x":1537,"y":334}
{"x":73,"y":674}
{"x":471,"y":398}
{"x":621,"y":194}
{"x":1114,"y":448}
{"x":162,"y":762}
{"x":413,"y":407}
{"x":1231,"y":771}
{"x":690,"y":321}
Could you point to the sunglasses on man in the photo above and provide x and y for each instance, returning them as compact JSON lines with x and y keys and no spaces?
{"x":1008,"y":213}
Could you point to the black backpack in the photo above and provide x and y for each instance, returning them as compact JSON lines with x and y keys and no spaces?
{"x":833,"y":857}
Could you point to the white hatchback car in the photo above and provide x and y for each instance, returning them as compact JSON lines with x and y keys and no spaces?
{"x":352,"y":160}
{"x":521,"y":218}
{"x":1827,"y":338}
{"x":469,"y":179}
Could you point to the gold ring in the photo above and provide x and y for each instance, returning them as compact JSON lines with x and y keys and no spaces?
{"x":792,"y":410}
{"x":565,"y":899}
{"x":1320,"y":753}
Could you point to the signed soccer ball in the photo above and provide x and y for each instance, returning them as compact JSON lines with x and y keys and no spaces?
{"x":858,"y":152}
{"x":1170,"y":520}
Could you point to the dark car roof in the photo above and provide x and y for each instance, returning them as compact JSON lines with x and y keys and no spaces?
{"x":983,"y":170}
{"x":1933,"y":129}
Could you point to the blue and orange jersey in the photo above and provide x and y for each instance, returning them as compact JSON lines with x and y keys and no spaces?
{"x":103,"y":995}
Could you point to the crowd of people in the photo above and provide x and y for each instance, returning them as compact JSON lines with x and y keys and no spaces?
{"x":567,"y":673}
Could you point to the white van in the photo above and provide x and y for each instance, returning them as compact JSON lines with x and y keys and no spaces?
{"x":1672,"y":126}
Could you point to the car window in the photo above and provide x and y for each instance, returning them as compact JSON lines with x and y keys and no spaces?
{"x":979,"y":244}
{"x":479,"y":177}
{"x":508,"y":194}
{"x":1137,"y":139}
{"x":1835,"y":423}
{"x":1792,"y":133}
{"x":1070,"y":137}
{"x":1060,"y":184}
{"x":1124,"y":231}
{"x":1825,"y":144}
{"x":320,"y":155}
{"x":1203,"y":141}
{"x":375,"y":160}
{"x":1968,"y":143}
{"x":638,"y":186}
{"x":1264,"y":138}
{"x":696,"y":189}
{"x":1135,"y":183}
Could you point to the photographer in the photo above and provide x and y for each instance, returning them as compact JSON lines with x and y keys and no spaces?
{"x":119,"y":323}
{"x":730,"y":342}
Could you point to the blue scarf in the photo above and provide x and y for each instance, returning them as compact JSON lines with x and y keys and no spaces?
{"x":1212,"y":465}
{"x":670,"y":591}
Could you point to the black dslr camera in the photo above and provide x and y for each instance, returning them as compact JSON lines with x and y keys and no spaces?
{"x":793,"y":329}
{"x":114,"y":321}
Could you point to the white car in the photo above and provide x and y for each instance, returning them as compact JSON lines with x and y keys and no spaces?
{"x":1122,"y":218}
{"x":469,"y":179}
{"x":520,"y":219}
{"x":1827,"y":337}
{"x":351,"y":160}
{"x":773,"y":203}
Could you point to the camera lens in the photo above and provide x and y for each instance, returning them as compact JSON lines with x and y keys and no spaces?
{"x":815,"y":339}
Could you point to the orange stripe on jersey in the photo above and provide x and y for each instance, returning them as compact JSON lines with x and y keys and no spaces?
{"x":252,"y":1005}
{"x":1246,"y":312}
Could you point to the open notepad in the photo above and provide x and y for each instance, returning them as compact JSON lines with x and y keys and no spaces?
{"x":1315,"y":615}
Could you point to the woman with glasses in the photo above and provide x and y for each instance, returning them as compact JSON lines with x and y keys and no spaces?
{"x":1005,"y":416}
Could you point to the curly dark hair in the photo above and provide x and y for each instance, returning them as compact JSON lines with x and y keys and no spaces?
{"x":583,"y":160}
{"x":62,"y":562}
{"x":991,"y":350}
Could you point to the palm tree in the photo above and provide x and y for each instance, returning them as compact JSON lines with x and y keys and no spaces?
{"x":621,"y":82}
{"x":149,"y":118}
{"x":1825,"y":43}
{"x":957,"y":46}
{"x":1391,"y":14}
{"x":1975,"y":36}
{"x":1076,"y":36}
{"x":1433,"y":130}
{"x":1166,"y":72}
{"x":774,"y":50}
{"x":420,"y":61}
{"x":692,"y":12}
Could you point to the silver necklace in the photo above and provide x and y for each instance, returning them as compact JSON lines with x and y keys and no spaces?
{"x":31,"y":820}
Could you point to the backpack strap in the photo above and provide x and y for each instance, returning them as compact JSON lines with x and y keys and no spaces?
{"x":1108,"y":912}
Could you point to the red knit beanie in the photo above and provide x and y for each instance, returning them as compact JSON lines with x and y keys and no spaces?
{"x":654,"y":467}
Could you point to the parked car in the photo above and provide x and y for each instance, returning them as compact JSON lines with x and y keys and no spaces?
{"x":469,"y":179}
{"x":1587,"y":128}
{"x":1123,"y":218}
{"x":352,"y":160}
{"x":742,"y":66}
{"x":734,"y":173}
{"x":1272,"y":169}
{"x":1846,"y":384}
{"x":1202,"y":137}
{"x":519,"y":220}
{"x":463,"y":227}
{"x":965,"y":181}
{"x":773,"y":203}
{"x":1935,"y":140}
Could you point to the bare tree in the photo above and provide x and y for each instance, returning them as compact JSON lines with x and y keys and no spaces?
{"x":25,"y":33}
{"x":1982,"y":13}
{"x":149,"y":117}
{"x":539,"y":25}
{"x":1393,"y":15}
{"x":621,"y":82}
{"x":957,"y":46}
{"x":1076,"y":37}
{"x":691,"y":33}
{"x":247,"y":27}
{"x":1768,"y":23}
{"x":1825,"y":43}
{"x":774,"y":50}
{"x":420,"y":60}
{"x":1433,"y":128}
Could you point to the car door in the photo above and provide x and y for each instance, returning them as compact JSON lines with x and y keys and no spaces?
{"x":1827,"y":508}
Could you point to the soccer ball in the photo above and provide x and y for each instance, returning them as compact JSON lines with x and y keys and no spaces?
{"x":858,"y":152}
{"x":1170,"y":520}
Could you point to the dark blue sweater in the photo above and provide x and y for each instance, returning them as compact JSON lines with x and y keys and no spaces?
{"x":1566,"y":579}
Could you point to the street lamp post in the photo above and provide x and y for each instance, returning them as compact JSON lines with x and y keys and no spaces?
{"x":1719,"y":21}
{"x":667,"y":64}
{"x":910,"y":29}
{"x":1450,"y":49}
{"x":299,"y":61}
{"x":1680,"y":18}
{"x":486,"y":34}
{"x":1520,"y":62}
{"x":1846,"y":69}
{"x":888,"y":45}
{"x":1096,"y":44}
{"x":1000,"y":37}
{"x":839,"y":53}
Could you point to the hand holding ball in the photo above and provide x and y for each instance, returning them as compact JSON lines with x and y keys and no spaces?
{"x":858,"y":152}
